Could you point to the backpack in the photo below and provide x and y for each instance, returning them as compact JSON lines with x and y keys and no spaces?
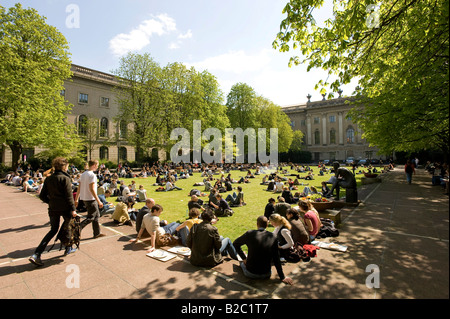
{"x":69,"y":234}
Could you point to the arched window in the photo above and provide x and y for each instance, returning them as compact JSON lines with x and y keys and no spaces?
{"x":104,"y":127}
{"x":350,"y":135}
{"x":104,"y":153}
{"x":317,"y":137}
{"x":123,"y":153}
{"x":82,"y":125}
{"x":332,"y":136}
{"x":123,"y":129}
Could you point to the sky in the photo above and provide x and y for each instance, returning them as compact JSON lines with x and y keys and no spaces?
{"x":231,"y":39}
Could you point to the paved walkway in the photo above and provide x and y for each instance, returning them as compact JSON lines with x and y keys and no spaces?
{"x":400,"y":230}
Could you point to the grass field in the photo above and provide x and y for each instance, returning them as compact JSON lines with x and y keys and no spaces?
{"x":244,"y":218}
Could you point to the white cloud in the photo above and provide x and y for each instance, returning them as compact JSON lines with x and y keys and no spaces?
{"x":237,"y":62}
{"x":187,"y":35}
{"x":139,"y":37}
{"x":174,"y":46}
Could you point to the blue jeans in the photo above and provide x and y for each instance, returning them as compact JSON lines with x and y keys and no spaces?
{"x":184,"y":233}
{"x":409,"y":177}
{"x":252,"y":275}
{"x":231,"y":198}
{"x":228,"y":248}
{"x":171,"y":228}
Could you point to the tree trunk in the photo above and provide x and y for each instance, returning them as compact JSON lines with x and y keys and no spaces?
{"x":16,"y":149}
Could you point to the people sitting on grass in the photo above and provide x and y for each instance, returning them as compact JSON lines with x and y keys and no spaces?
{"x":221,"y":209}
{"x":108,"y":208}
{"x":184,"y":229}
{"x":288,"y":197}
{"x":207,"y":246}
{"x":325,"y":190}
{"x":281,"y":207}
{"x":123,"y":212}
{"x":141,"y":194}
{"x":263,"y":251}
{"x":236,"y":200}
{"x":270,"y":208}
{"x":195,"y":202}
{"x":152,"y":223}
{"x":170,"y":186}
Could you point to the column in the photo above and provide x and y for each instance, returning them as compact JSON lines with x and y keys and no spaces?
{"x":324,"y":129}
{"x":341,"y":128}
{"x":308,"y":129}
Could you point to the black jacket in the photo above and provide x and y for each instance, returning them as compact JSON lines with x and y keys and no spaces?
{"x":262,"y":251}
{"x":57,"y":193}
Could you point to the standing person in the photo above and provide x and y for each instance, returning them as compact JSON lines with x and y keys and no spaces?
{"x":57,"y":193}
{"x":262,"y":252}
{"x":87,"y":192}
{"x":409,"y":171}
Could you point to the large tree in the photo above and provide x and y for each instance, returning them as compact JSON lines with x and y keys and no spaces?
{"x":141,"y":101}
{"x":34,"y":62}
{"x":398,"y":51}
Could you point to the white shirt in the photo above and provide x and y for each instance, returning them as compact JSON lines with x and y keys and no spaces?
{"x":286,"y":235}
{"x":88,"y":177}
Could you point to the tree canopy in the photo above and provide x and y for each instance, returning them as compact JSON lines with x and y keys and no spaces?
{"x":34,"y":62}
{"x":398,"y":51}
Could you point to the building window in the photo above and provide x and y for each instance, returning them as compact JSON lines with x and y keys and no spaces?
{"x":123,"y":129}
{"x":303,"y":122}
{"x":104,"y":127}
{"x":62,"y":93}
{"x":317,"y":137}
{"x":332,"y":119}
{"x":123,"y":154}
{"x":317,"y":120}
{"x":83,"y":98}
{"x":104,"y":153}
{"x":332,"y":136}
{"x":292,"y":124}
{"x":104,"y":101}
{"x":350,"y":135}
{"x":82,"y":125}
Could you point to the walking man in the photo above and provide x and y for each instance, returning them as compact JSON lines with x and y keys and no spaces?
{"x":87,"y":192}
{"x":57,"y":193}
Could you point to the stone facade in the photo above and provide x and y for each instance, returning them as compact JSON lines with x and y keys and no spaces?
{"x":328,"y":134}
{"x":92,"y":95}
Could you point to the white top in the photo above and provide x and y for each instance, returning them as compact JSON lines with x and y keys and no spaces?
{"x":151,"y":224}
{"x":286,"y":233}
{"x":88,"y":177}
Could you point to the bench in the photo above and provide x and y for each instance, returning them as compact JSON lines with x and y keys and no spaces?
{"x":334,"y":215}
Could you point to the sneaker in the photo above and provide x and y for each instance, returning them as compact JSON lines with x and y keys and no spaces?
{"x":69,"y":250}
{"x":36,"y":259}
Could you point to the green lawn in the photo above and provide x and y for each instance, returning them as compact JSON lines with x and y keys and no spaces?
{"x":244,"y":218}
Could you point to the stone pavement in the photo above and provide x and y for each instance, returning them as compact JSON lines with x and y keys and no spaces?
{"x":401,"y":230}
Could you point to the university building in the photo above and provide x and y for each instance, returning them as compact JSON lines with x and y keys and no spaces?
{"x":92,"y":95}
{"x":328,"y":133}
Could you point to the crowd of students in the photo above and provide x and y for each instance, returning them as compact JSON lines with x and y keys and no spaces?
{"x":294,"y":226}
